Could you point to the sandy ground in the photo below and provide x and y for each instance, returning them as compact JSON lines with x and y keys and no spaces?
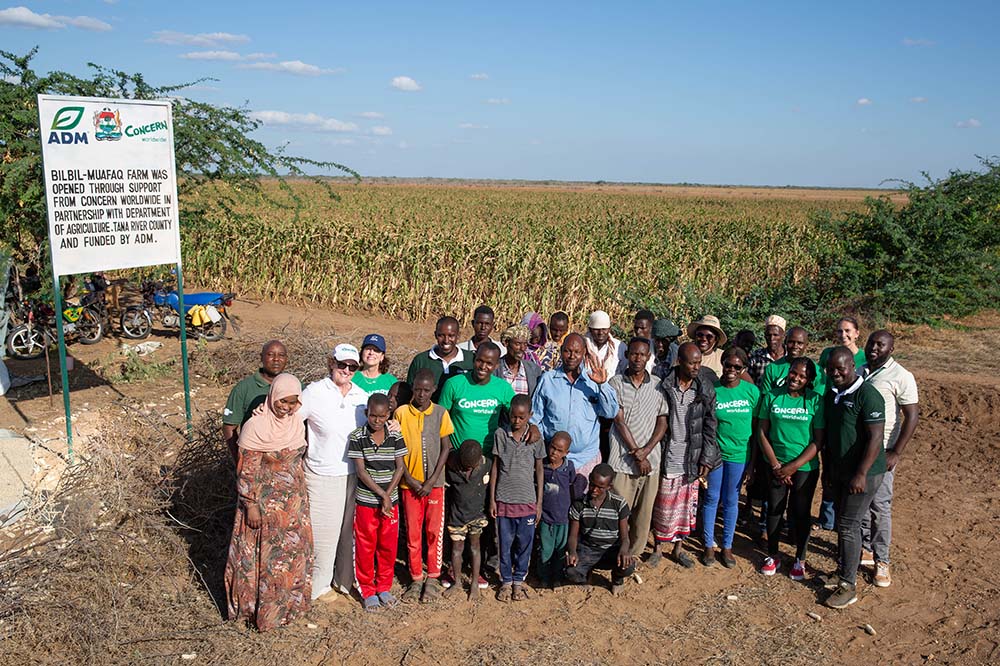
{"x":943,"y":607}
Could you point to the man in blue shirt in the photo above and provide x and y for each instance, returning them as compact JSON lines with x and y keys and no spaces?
{"x":572,"y":398}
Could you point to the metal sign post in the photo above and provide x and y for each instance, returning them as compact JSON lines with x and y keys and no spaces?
{"x":111,"y":198}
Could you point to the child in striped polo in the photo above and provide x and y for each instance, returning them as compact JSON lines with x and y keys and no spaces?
{"x":378,"y":459}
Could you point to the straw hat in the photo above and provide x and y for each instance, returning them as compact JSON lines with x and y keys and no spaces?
{"x":708,"y":321}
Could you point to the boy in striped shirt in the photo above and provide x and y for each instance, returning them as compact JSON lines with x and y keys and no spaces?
{"x":598,"y":533}
{"x":378,"y":460}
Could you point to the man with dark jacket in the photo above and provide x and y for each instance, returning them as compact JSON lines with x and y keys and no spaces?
{"x":690,"y":452}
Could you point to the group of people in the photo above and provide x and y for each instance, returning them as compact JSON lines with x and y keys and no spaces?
{"x":578,"y":450}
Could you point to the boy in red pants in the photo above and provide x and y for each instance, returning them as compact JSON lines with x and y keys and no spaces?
{"x":426,"y":429}
{"x":378,"y":460}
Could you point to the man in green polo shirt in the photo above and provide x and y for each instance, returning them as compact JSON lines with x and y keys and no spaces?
{"x":855,"y":421}
{"x":252,"y":391}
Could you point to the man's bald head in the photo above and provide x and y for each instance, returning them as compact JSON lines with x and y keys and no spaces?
{"x":796,"y":341}
{"x":573,"y":351}
{"x":688,"y":352}
{"x":273,"y":358}
{"x":688,"y":361}
{"x":879,"y":348}
{"x":840,"y":367}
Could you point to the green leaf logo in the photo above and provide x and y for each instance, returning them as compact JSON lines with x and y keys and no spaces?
{"x":67,"y":118}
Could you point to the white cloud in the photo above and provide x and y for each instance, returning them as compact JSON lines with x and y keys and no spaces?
{"x":203,"y":39}
{"x":10,"y":78}
{"x":296,"y":67}
{"x":481,"y":76}
{"x":86,"y":23}
{"x":864,"y":101}
{"x":22,"y":17}
{"x":909,"y":41}
{"x":403,"y":145}
{"x":212,"y":55}
{"x":405,"y":83}
{"x":111,"y":2}
{"x":472,"y":126}
{"x":498,"y":100}
{"x":381,"y":130}
{"x":918,"y":100}
{"x":371,"y":115}
{"x":231,"y":56}
{"x":971,"y":123}
{"x":312,"y":121}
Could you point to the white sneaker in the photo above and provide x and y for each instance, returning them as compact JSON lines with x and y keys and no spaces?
{"x":882,"y":577}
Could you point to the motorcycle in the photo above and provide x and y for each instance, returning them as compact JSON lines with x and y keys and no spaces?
{"x":205,"y":314}
{"x":81,"y":322}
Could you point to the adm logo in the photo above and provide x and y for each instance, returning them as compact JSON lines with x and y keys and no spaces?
{"x":66,"y":119}
{"x":107,"y":125}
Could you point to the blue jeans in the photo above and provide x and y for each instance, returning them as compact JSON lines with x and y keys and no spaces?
{"x":516,"y":534}
{"x":724,"y":483}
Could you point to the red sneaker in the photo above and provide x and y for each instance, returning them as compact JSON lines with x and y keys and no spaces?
{"x":446,"y":580}
{"x":798,"y":571}
{"x":483,"y":584}
{"x":770,"y":566}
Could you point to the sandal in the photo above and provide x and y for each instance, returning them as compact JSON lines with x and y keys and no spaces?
{"x":504,"y":593}
{"x":684,"y":560}
{"x":519,"y":593}
{"x":372,"y":604}
{"x":387,"y":599}
{"x":432,"y":591}
{"x":412,"y":592}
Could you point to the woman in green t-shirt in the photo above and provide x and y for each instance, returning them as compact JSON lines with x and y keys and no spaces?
{"x":789,"y":428}
{"x":373,"y":375}
{"x":847,"y":334}
{"x":735,"y":405}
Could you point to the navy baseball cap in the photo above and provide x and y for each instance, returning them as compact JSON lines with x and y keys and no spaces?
{"x":375,"y":340}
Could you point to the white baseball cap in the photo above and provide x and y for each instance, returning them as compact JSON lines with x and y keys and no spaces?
{"x":599,"y":319}
{"x":346,"y":352}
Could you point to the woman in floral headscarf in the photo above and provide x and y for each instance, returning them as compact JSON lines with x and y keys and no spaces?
{"x":268,"y":579}
{"x":541,"y":350}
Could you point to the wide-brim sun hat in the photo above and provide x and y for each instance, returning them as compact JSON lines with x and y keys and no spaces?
{"x":708,"y":321}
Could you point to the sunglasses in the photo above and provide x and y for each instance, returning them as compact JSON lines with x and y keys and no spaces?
{"x":732,"y":366}
{"x":344,"y":365}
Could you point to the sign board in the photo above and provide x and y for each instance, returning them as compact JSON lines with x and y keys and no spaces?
{"x":110,"y":183}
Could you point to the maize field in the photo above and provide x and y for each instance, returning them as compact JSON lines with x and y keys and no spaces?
{"x":415,"y":252}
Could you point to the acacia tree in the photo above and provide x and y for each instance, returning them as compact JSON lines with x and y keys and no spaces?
{"x":216,"y":157}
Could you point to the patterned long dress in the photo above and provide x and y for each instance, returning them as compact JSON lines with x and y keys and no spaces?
{"x":268,"y":573}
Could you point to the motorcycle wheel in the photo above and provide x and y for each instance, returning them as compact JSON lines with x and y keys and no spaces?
{"x":89,"y":328}
{"x":136,"y":324}
{"x":211,"y":332}
{"x":26,"y":343}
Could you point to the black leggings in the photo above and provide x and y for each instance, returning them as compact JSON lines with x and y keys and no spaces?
{"x":801,"y":493}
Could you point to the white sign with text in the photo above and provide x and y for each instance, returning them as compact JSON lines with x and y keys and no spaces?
{"x":110,"y":183}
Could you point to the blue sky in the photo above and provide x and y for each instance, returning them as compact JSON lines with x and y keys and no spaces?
{"x":847,"y":94}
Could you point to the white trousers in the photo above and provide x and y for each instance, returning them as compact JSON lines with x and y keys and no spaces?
{"x":331,"y":507}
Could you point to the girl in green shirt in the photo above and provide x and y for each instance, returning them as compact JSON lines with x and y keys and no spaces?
{"x":789,"y":429}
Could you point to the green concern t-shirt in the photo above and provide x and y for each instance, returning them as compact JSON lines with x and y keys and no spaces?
{"x":380,"y":384}
{"x":792,"y":421}
{"x":776,"y":374}
{"x":475,"y":408}
{"x":735,"y":408}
